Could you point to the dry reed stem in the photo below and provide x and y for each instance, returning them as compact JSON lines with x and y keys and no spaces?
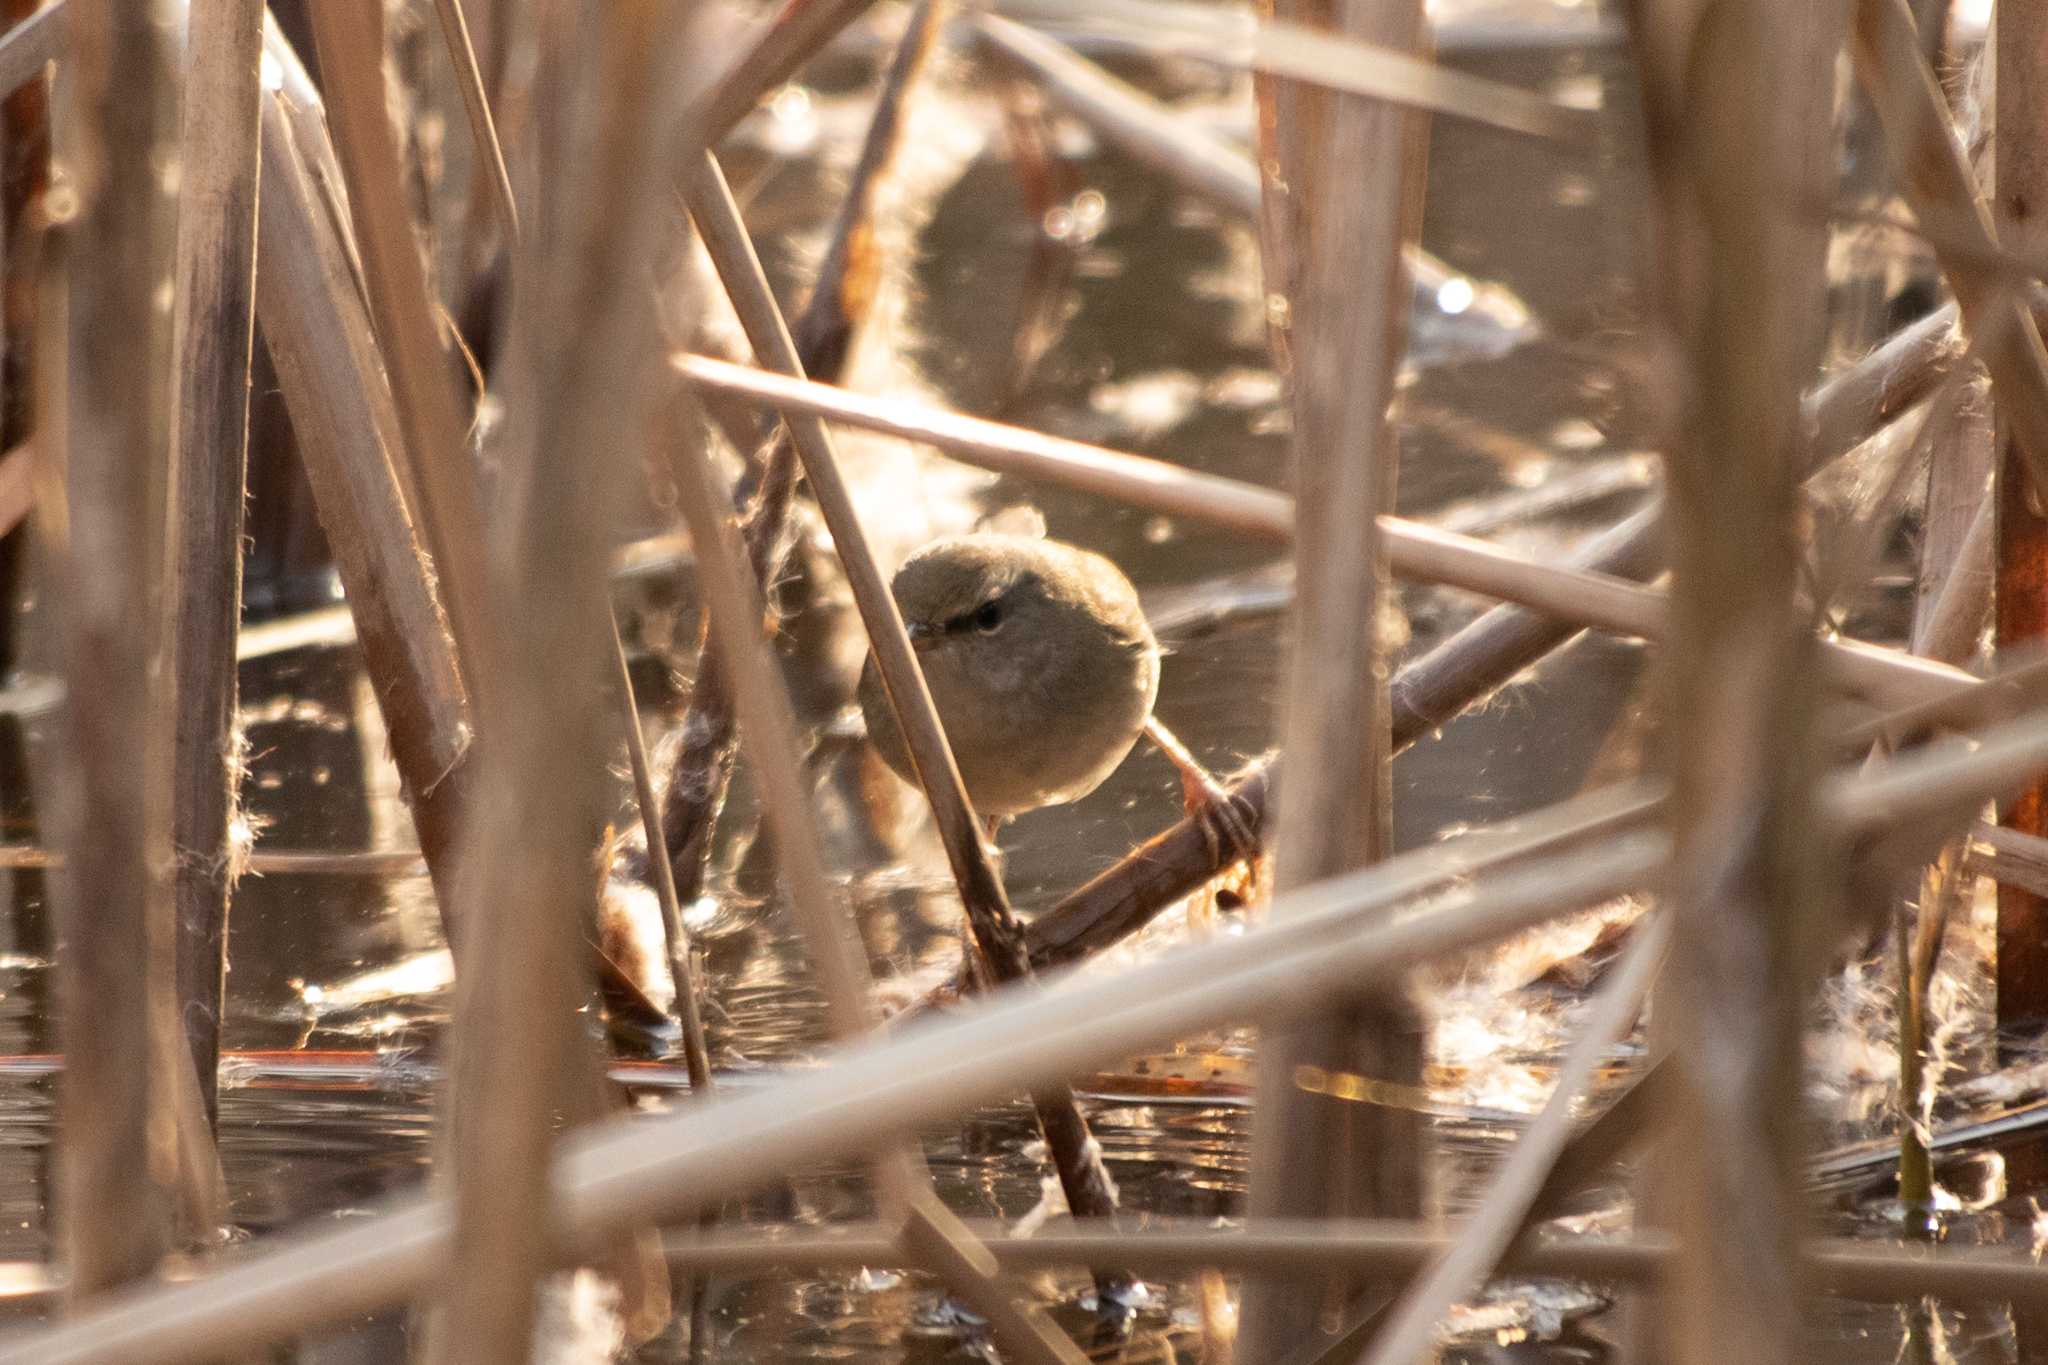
{"x":1739,"y":108}
{"x":795,"y":34}
{"x":1314,"y":1154}
{"x":319,"y":335}
{"x":213,"y":332}
{"x":616,"y":1177}
{"x":733,"y":602}
{"x":1844,"y":1267}
{"x":1851,"y":1269}
{"x":1414,"y":549}
{"x":1936,"y":180}
{"x":582,"y":324}
{"x":1503,"y":1208}
{"x":1383,"y":72}
{"x":2020,"y":182}
{"x":665,"y":1168}
{"x":1199,"y":162}
{"x":483,"y":130}
{"x":112,"y":428}
{"x":933,"y":1236}
{"x":1950,"y":600}
{"x":845,"y":286}
{"x":433,"y":452}
{"x":997,"y":935}
{"x":675,"y":936}
{"x":30,"y":45}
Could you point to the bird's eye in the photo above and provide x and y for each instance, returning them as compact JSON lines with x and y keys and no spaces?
{"x":988,"y":618}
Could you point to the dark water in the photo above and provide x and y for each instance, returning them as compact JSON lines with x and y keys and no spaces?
{"x":1159,"y":349}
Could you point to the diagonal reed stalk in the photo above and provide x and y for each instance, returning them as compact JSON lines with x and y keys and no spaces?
{"x":330,"y":370}
{"x":846,"y":283}
{"x":734,"y":603}
{"x":998,"y":937}
{"x":616,"y":1177}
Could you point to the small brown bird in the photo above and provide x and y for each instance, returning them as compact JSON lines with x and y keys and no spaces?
{"x":1039,"y":660}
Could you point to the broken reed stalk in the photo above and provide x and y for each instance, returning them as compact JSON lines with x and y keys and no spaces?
{"x":122,"y":1163}
{"x":1355,"y":205}
{"x":735,"y":608}
{"x":329,"y":367}
{"x":1888,"y":677}
{"x":2021,"y":186}
{"x":663,"y":1168}
{"x":433,"y":451}
{"x":846,"y":284}
{"x":581,"y":328}
{"x":996,"y":933}
{"x":213,"y":333}
{"x":1503,"y":1208}
{"x":1735,"y":98}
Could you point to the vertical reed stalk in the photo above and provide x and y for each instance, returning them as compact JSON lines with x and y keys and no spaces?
{"x":1739,"y":103}
{"x":2021,"y":145}
{"x":847,"y":282}
{"x":110,"y":416}
{"x":1313,"y":1154}
{"x":213,"y":333}
{"x":581,"y":346}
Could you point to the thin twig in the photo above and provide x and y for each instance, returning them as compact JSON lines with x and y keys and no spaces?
{"x":1499,"y":1212}
{"x":476,"y":103}
{"x":676,"y":936}
{"x":845,"y":287}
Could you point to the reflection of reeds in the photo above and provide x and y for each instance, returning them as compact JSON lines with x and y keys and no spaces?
{"x":1767,"y":817}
